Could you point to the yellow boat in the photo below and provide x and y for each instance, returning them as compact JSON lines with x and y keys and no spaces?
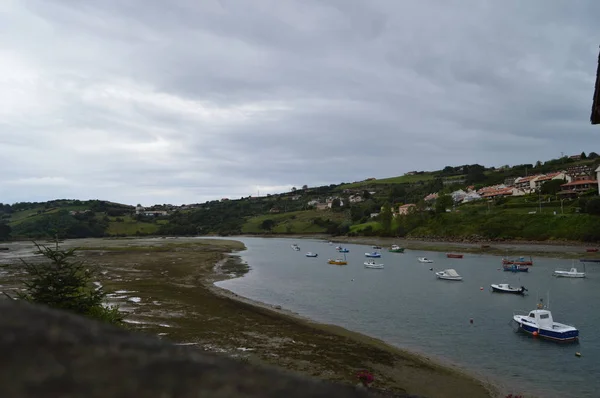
{"x":337,"y":261}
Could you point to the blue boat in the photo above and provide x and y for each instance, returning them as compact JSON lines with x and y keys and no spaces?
{"x":515,"y":268}
{"x":539,"y":323}
{"x":343,"y":250}
{"x":590,"y":260}
{"x":373,"y":255}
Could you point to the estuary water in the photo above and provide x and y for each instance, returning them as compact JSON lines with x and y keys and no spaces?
{"x":406,"y":306}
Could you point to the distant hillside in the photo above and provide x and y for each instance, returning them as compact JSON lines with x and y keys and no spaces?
{"x":370,"y":207}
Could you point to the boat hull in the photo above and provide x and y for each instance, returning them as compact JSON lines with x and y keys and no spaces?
{"x":590,"y":260}
{"x":510,"y":262}
{"x":312,"y":255}
{"x":396,"y":250}
{"x":450,"y":278}
{"x":451,"y":255}
{"x":563,"y":337}
{"x":499,"y":290}
{"x":568,"y":275}
{"x":515,"y":268}
{"x":372,"y":255}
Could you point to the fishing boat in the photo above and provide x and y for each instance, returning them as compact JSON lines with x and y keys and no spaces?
{"x":506,"y":288}
{"x":376,"y":247}
{"x":520,"y":261}
{"x":343,"y":250}
{"x":337,"y":261}
{"x":424,"y":260}
{"x":539,"y":323}
{"x":515,"y":268}
{"x":396,"y":249}
{"x":454,"y":255}
{"x":373,"y":255}
{"x":572,"y":273}
{"x":311,"y":254}
{"x":372,"y":265}
{"x":449,"y":275}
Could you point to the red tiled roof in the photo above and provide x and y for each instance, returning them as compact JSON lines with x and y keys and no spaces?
{"x":505,"y":191}
{"x":528,"y":178}
{"x":406,"y":206}
{"x":580,"y":182}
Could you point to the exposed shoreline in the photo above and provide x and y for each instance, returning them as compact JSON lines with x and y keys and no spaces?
{"x":418,"y":359}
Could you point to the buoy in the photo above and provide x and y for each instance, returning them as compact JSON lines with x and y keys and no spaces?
{"x":535,"y":334}
{"x":577,"y":354}
{"x":471,"y":320}
{"x":481,"y":288}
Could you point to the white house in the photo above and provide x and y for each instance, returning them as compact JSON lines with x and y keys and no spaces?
{"x":559,"y":175}
{"x":458,"y":196}
{"x":527,"y":184}
{"x":155,"y":213}
{"x":355,"y":199}
{"x":471,"y":196}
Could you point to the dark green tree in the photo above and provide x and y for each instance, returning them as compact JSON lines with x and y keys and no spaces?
{"x":442,"y":203}
{"x":583,"y":155}
{"x":386,"y":218}
{"x":267,"y":224}
{"x":593,"y":206}
{"x":66,"y":283}
{"x":5,"y":231}
{"x":551,"y":187}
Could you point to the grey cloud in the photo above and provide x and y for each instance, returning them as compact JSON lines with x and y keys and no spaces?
{"x":147,"y":101}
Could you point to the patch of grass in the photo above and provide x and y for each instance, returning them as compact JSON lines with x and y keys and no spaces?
{"x":297,"y":222}
{"x":130,"y":226}
{"x":359,"y":228}
{"x":391,"y":180}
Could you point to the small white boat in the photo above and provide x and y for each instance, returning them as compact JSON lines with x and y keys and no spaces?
{"x":311,"y":254}
{"x":572,"y":273}
{"x":373,"y":255}
{"x":424,"y":260}
{"x":372,"y":265}
{"x":449,"y":275}
{"x":296,"y":247}
{"x":376,"y":247}
{"x":539,"y":322}
{"x":506,"y":288}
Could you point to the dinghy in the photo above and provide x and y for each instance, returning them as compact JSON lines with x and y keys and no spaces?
{"x":372,"y":265}
{"x":572,"y":273}
{"x":449,"y":275}
{"x":506,"y":288}
{"x":311,"y":254}
{"x":373,"y":255}
{"x":424,"y":260}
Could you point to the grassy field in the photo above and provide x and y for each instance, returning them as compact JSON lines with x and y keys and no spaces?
{"x":297,"y":222}
{"x":130,"y":226}
{"x":20,"y":216}
{"x":391,"y":180}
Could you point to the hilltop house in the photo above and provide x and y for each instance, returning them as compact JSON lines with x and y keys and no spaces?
{"x":502,"y":192}
{"x":559,"y":175}
{"x":578,"y":186}
{"x":527,"y":184}
{"x":355,"y":199}
{"x":431,"y":197}
{"x":471,"y":196}
{"x":458,"y":196}
{"x":405,"y":209}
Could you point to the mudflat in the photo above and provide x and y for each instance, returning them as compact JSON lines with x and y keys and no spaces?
{"x":166,"y":288}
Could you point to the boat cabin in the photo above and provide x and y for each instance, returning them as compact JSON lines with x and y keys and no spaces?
{"x":543,"y":318}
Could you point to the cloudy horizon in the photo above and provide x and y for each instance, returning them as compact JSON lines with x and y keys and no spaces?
{"x":184,"y":101}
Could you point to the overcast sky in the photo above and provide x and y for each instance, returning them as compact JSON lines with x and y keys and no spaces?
{"x":183,"y":101}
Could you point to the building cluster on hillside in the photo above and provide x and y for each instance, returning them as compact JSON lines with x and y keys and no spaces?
{"x":577,"y":179}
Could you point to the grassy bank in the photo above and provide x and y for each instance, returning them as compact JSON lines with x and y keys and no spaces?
{"x":165,"y":285}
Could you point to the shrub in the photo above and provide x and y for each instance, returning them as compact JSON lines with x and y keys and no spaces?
{"x":65,"y":283}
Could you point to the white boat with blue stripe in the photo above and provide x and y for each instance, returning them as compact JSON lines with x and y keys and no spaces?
{"x":539,"y":323}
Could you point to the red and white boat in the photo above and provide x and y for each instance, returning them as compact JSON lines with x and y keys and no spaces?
{"x":519,"y":261}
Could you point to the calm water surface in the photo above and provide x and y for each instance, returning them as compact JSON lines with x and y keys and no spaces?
{"x":405,"y":305}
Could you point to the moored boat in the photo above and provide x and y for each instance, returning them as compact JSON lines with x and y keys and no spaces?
{"x":519,"y":261}
{"x":373,"y":255}
{"x":311,"y":254}
{"x":343,"y":250}
{"x":372,"y":265}
{"x":449,"y":275}
{"x":539,"y":323}
{"x":590,"y":260}
{"x":572,"y":273}
{"x":591,"y":249}
{"x":515,"y":268}
{"x":376,"y":247}
{"x":454,"y":255}
{"x":396,"y":249}
{"x":506,"y":288}
{"x":295,"y":247}
{"x":424,"y":260}
{"x":337,"y":261}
